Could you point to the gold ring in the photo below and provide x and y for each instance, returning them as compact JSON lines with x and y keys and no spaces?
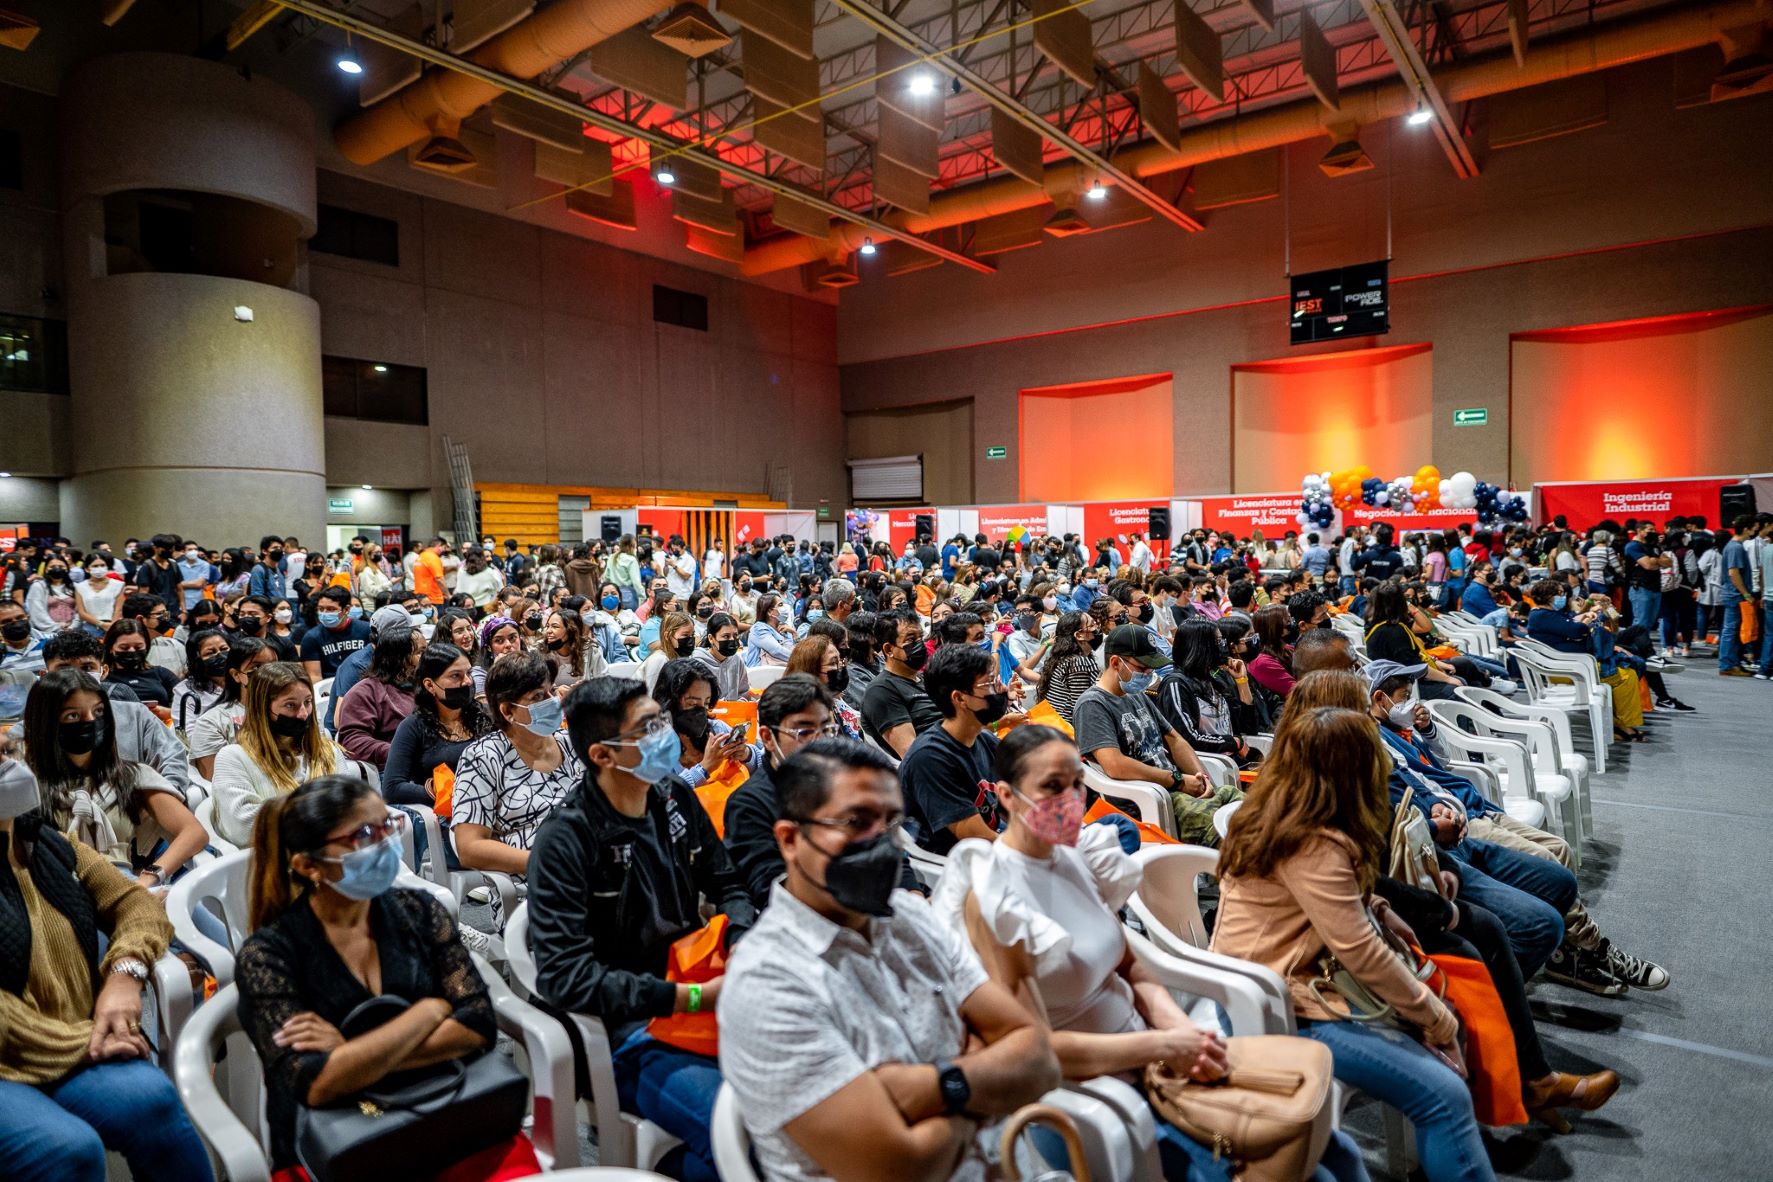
{"x":135,"y":1027}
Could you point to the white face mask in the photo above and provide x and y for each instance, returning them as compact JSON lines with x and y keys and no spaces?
{"x":1403,"y":712}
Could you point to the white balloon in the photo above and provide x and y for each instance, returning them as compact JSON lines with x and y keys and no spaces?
{"x":1304,"y":518}
{"x":1312,"y":480}
{"x":1382,"y":497}
{"x":1468,"y":502}
{"x":1449,"y":498}
{"x":1465,"y":482}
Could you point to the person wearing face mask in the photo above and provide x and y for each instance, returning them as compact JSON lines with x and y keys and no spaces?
{"x":206,"y":655}
{"x":373,"y":708}
{"x":268,"y":578}
{"x":686,"y":692}
{"x":96,"y":597}
{"x":850,"y":982}
{"x":1550,"y":622}
{"x":126,"y":659}
{"x":770,"y":641}
{"x":632,"y":827}
{"x":279,"y":745}
{"x":50,"y":601}
{"x":195,"y":574}
{"x":330,"y":930}
{"x":819,"y":657}
{"x":1121,"y":730}
{"x":76,"y":1076}
{"x":1195,"y":704}
{"x":948,"y":767}
{"x":21,"y":658}
{"x":511,"y":779}
{"x":159,"y":575}
{"x":253,"y":616}
{"x":895,"y":709}
{"x":445,"y":719}
{"x":719,"y":652}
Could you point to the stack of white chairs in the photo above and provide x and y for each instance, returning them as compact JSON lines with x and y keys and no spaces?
{"x":1560,"y":756}
{"x":438,"y":841}
{"x":1518,"y":750}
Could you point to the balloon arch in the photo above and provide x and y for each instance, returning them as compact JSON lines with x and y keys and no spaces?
{"x":1322,"y":493}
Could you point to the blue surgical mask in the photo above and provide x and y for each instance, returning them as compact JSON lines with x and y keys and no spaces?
{"x":611,"y":602}
{"x":544,"y":717}
{"x":1559,"y":602}
{"x":368,"y":872}
{"x":327,"y":619}
{"x":659,"y":755}
{"x":1092,"y":584}
{"x":356,"y":611}
{"x":1138,"y":683}
{"x":430,"y":613}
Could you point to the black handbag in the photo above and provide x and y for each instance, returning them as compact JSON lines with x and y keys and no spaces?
{"x":412,"y":1124}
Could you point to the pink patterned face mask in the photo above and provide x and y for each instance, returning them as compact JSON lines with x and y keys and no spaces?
{"x":1056,"y":819}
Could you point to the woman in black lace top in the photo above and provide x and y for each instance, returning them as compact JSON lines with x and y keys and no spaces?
{"x":329,"y":934}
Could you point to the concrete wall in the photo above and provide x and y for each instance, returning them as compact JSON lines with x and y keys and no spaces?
{"x":1658,"y":211}
{"x":24,"y":499}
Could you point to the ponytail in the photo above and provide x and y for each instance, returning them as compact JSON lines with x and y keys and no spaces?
{"x":272,"y":888}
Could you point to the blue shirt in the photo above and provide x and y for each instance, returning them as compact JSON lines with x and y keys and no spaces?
{"x":350,"y":672}
{"x":1316,"y":560}
{"x":1477,"y":600}
{"x":950,"y":555}
{"x":1735,"y":558}
{"x":191,"y":572}
{"x":267,"y":581}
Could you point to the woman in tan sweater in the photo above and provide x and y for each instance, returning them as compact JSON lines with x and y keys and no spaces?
{"x":1296,"y":872}
{"x":74,"y":1075}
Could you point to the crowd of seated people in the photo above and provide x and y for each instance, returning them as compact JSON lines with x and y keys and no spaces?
{"x":910,"y":710}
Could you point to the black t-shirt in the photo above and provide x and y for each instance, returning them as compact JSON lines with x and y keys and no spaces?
{"x":161,"y":581}
{"x":330,"y":647}
{"x":751,"y":837}
{"x":929,"y":556}
{"x":893,"y":701}
{"x":1393,"y":641}
{"x":152,"y":686}
{"x":1379,"y":564}
{"x":755,"y":565}
{"x":945,"y":783}
{"x":986,"y":559}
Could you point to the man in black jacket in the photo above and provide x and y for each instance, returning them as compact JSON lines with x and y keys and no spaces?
{"x":616,"y":875}
{"x":790,"y":714}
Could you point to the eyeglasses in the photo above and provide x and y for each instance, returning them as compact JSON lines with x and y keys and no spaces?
{"x":649,"y":728}
{"x":858,"y":828}
{"x":364,"y":836}
{"x":801,"y":733}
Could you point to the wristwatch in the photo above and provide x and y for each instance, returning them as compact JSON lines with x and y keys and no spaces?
{"x":133,"y":967}
{"x":957,"y":1093}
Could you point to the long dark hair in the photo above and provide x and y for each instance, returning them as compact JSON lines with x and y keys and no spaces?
{"x":121,"y":628}
{"x":241,"y":649}
{"x":1065,"y":646}
{"x":1196,"y":647}
{"x":392,"y":651}
{"x":1387,"y":604}
{"x":194,"y":663}
{"x":433,"y":662}
{"x":290,"y":824}
{"x":43,"y":749}
{"x":1271,"y":625}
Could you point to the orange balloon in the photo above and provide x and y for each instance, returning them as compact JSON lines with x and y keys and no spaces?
{"x":1428,"y":474}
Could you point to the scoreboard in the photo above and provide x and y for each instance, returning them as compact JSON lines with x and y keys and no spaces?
{"x":1341,"y":302}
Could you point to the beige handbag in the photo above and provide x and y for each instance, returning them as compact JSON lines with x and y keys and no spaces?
{"x":1267,"y":1114}
{"x":1413,"y":859}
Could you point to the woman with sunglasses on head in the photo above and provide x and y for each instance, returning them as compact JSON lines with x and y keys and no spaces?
{"x":511,"y":778}
{"x":1048,"y":892}
{"x":280,"y":745}
{"x":331,"y":931}
{"x":75,"y":1072}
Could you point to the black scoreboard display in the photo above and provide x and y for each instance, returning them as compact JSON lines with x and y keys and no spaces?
{"x":1341,"y":302}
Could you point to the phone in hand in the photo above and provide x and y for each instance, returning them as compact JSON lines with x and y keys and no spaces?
{"x":740,"y":733}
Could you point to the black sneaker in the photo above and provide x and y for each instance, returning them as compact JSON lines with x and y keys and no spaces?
{"x":1639,"y":974}
{"x":1675,"y":704}
{"x":1586,"y":971}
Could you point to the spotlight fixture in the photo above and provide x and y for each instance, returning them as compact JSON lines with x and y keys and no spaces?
{"x":379,"y":368}
{"x":1419,"y":116}
{"x":922,"y":82}
{"x":868,"y":246}
{"x":1097,"y":191}
{"x":664,"y":175}
{"x":5,"y":476}
{"x":367,"y":487}
{"x":348,"y":60}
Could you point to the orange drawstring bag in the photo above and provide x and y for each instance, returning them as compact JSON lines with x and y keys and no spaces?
{"x":443,"y":790}
{"x":1149,"y":834}
{"x":695,"y":959}
{"x":1489,"y":1041}
{"x":718,"y":789}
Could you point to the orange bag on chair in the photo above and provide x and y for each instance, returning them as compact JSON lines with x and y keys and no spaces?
{"x":735,"y":713}
{"x":695,"y":959}
{"x":1041,"y":714}
{"x":1149,"y":834}
{"x":443,"y":790}
{"x":1489,"y":1041}
{"x":719,"y":788}
{"x":1442,"y":652}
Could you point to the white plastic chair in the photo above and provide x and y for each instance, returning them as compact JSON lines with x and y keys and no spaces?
{"x":1562,"y":756}
{"x":1581,"y":691}
{"x":1146,"y":801}
{"x":1554,"y":792}
{"x":623,"y":1139}
{"x":204,"y":811}
{"x":438,"y":841}
{"x":880,"y":747}
{"x":1511,"y":771}
{"x":1167,"y":902}
{"x":928,"y":867}
{"x":762,"y":677}
{"x":627,"y":669}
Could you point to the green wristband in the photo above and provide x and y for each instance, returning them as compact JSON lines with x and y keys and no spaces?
{"x":695,"y":999}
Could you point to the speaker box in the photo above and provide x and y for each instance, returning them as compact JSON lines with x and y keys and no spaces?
{"x":1733,"y":501}
{"x":926,"y":526}
{"x":611,"y":527}
{"x":1160,"y":523}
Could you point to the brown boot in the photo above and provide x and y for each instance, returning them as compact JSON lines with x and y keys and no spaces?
{"x":1562,"y":1090}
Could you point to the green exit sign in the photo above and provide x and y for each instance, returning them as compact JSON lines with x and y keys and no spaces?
{"x":1471,"y":416}
{"x":996,"y":453}
{"x":338,"y":506}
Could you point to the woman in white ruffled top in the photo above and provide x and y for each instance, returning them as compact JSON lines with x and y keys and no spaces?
{"x":1048,"y":891}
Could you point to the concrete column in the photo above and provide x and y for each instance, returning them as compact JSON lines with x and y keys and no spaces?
{"x":196,"y":392}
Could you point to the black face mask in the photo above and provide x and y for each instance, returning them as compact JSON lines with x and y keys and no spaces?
{"x":16,"y":630}
{"x":838,"y":679}
{"x":1027,"y":621}
{"x":726,"y":648}
{"x":996,"y":706}
{"x":1142,"y":613}
{"x":288,"y":726}
{"x":79,"y":738}
{"x":916,"y":655}
{"x":533,"y":622}
{"x":56,"y":574}
{"x":703,"y":612}
{"x":692,"y":725}
{"x":250,"y":625}
{"x":863,"y":876}
{"x":217,"y":665}
{"x":457,"y":697}
{"x":131,"y":661}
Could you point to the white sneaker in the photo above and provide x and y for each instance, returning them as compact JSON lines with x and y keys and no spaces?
{"x":488,"y":946}
{"x":1503,"y":685}
{"x":481,"y":895}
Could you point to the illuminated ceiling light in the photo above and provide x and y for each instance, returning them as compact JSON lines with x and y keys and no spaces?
{"x":380,"y":368}
{"x":1097,"y":191}
{"x":1419,"y":116}
{"x":922,"y":82}
{"x":349,"y":63}
{"x":868,"y":246}
{"x":367,"y":487}
{"x":5,"y":476}
{"x":664,"y":175}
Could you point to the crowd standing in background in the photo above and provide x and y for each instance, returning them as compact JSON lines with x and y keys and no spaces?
{"x":581,"y":720}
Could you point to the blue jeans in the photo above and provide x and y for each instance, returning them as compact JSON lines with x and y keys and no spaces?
{"x":1730,"y":638}
{"x":1350,"y":584}
{"x":59,"y":1132}
{"x":1391,"y":1066}
{"x":1646,"y":606}
{"x":630,"y":600}
{"x":1529,"y":895}
{"x":1767,"y":636}
{"x":675,"y":1090}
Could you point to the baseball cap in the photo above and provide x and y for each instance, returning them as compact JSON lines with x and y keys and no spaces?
{"x":1133,"y":642}
{"x":1382,"y":671}
{"x":385,"y":618}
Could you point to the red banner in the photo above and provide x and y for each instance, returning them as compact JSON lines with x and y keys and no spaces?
{"x":1118,"y":519}
{"x":1653,"y":500}
{"x":996,"y":521}
{"x":1433,"y":519}
{"x":1272,"y":513}
{"x":747,"y":525}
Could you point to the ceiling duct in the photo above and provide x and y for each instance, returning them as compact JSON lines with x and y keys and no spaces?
{"x":1346,"y":154}
{"x":836,"y":273}
{"x":1065,"y":221}
{"x":635,"y":61}
{"x":443,"y":153}
{"x":552,"y":35}
{"x":17,"y":30}
{"x":691,"y":31}
{"x":472,"y":23}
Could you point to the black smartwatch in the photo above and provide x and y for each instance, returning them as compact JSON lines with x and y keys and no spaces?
{"x":956,"y":1092}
